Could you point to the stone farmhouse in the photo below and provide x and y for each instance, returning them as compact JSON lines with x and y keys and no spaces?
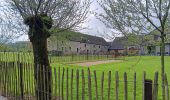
{"x":70,"y":42}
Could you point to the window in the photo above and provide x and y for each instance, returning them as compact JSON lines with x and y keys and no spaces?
{"x":84,"y":45}
{"x":93,"y":45}
{"x":65,"y":49}
{"x":70,"y":48}
{"x":62,"y":48}
{"x":62,"y":42}
{"x":87,"y":51}
{"x":156,"y":37}
{"x":99,"y":46}
{"x":77,"y":50}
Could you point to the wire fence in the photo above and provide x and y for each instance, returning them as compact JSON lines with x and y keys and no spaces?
{"x":28,"y":57}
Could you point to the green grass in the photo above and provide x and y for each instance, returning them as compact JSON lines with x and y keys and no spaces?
{"x":28,"y":57}
{"x":149,"y":64}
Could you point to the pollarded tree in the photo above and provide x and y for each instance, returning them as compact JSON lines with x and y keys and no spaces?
{"x":138,"y":16}
{"x":42,"y":16}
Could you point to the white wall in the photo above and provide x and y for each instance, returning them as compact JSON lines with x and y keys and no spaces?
{"x":167,"y":50}
{"x":92,"y":48}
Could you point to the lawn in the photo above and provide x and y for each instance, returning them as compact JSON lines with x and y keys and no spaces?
{"x":28,"y":57}
{"x":130,"y":65}
{"x":149,"y":64}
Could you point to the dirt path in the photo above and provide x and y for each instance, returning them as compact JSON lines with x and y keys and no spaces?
{"x":97,"y":62}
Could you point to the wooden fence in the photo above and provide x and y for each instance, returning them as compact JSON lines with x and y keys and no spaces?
{"x":17,"y":83}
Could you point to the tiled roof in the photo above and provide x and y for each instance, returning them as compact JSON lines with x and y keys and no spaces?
{"x":83,"y":38}
{"x":117,"y":44}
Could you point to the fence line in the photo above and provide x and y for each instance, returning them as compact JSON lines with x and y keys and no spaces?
{"x":28,"y":57}
{"x":17,"y":83}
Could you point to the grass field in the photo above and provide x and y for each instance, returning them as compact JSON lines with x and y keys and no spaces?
{"x":28,"y":57}
{"x":149,"y":64}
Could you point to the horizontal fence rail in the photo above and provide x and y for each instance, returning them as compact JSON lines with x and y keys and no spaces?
{"x":17,"y":82}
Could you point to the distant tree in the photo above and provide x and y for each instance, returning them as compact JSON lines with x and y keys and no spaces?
{"x":41,"y":16}
{"x":138,"y":16}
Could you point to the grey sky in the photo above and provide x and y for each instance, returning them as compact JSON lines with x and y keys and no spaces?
{"x":94,"y":26}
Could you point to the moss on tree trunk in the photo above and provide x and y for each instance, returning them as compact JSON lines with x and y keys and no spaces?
{"x":38,"y":34}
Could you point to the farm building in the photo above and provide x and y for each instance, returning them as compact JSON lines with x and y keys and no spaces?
{"x":146,"y":44}
{"x":70,"y":42}
{"x":67,"y":43}
{"x":156,"y":48}
{"x":122,"y":46}
{"x":155,"y":42}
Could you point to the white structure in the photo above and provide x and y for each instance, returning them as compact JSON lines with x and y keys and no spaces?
{"x":167,"y":49}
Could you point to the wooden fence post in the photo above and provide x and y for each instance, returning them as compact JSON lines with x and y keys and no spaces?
{"x":77,"y":84}
{"x":72,"y":71}
{"x":67,"y":93}
{"x":17,"y":78}
{"x":44,"y":77}
{"x":5,"y":78}
{"x":87,"y":55}
{"x":89,"y":84}
{"x":42,"y":89}
{"x":27,"y":76}
{"x":72,"y":57}
{"x":109,"y":84}
{"x":148,"y":89}
{"x":102,"y":84}
{"x":155,"y":88}
{"x":95,"y":79}
{"x":117,"y":85}
{"x":59,"y":83}
{"x":83,"y":85}
{"x":13,"y":80}
{"x":134,"y":92}
{"x":143,"y":83}
{"x":21,"y":81}
{"x":125,"y":87}
{"x":55,"y":82}
{"x":62,"y":84}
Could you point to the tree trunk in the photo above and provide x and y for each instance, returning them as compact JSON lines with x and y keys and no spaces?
{"x":41,"y":67}
{"x":163,"y":64}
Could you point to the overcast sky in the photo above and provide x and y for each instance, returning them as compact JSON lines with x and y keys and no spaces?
{"x":94,"y":26}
